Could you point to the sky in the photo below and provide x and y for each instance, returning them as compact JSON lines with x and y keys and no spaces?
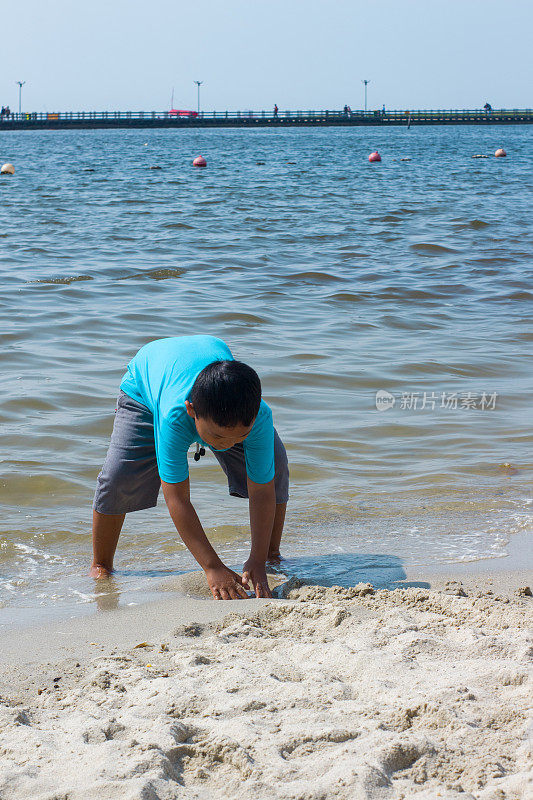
{"x":250,"y":54}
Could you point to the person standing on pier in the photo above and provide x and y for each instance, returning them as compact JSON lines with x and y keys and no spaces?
{"x":276,"y":110}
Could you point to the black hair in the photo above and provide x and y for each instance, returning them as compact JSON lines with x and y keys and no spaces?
{"x":228,"y":393}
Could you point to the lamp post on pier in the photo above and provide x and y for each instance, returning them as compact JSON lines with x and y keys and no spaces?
{"x":366,"y":82}
{"x":20,"y":85}
{"x":198,"y":83}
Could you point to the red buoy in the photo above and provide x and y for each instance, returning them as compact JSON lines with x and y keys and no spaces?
{"x":374,"y":156}
{"x":500,"y":152}
{"x":199,"y":161}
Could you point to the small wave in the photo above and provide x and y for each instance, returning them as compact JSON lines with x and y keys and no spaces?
{"x":178,"y":226}
{"x":33,"y":552}
{"x":392,"y":293}
{"x":323,"y":237}
{"x":405,"y":323}
{"x":386,"y":218}
{"x":313,"y":277}
{"x":250,"y":319}
{"x":156,"y":274}
{"x":267,"y":295}
{"x":493,"y":262}
{"x":307,"y":357}
{"x":518,"y":295}
{"x":347,"y":255}
{"x":66,"y":280}
{"x":209,"y":201}
{"x":347,"y":250}
{"x":476,"y":224}
{"x":348,"y":297}
{"x":429,"y":249}
{"x":28,"y":404}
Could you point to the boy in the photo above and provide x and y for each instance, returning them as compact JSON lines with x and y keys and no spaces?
{"x":175,"y":392}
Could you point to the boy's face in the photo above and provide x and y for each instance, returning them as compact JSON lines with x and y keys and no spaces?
{"x":216,"y":436}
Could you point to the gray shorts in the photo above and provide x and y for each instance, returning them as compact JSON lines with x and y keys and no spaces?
{"x":129,"y":480}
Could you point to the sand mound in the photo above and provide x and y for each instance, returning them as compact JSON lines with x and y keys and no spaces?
{"x":332,"y":693}
{"x":194,"y":584}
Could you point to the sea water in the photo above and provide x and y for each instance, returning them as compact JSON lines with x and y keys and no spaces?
{"x":386,"y":307}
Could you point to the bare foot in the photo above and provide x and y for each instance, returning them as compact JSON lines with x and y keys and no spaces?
{"x":98,"y":572}
{"x":274,"y":557}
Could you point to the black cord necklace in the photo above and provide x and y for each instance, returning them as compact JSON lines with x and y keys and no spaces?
{"x":200,"y":451}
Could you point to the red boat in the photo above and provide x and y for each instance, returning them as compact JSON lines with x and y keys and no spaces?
{"x":181,"y":112}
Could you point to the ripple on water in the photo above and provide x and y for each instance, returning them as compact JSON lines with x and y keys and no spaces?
{"x":428,"y":249}
{"x":67,"y":279}
{"x":307,"y":356}
{"x":311,"y":277}
{"x":507,"y":297}
{"x":246,"y":319}
{"x":155,"y":274}
{"x":387,"y":218}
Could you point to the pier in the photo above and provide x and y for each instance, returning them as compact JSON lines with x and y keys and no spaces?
{"x":64,"y":120}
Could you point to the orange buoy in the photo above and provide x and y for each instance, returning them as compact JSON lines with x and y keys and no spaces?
{"x":374,"y":157}
{"x":500,"y":152}
{"x":199,"y":161}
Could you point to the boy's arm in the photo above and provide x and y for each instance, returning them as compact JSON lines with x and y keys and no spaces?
{"x":223,"y":582}
{"x":262,"y":501}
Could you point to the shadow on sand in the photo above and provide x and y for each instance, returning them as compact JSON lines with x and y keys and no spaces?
{"x":343,"y":569}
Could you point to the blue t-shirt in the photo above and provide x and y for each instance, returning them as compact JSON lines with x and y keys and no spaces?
{"x":161,"y":377}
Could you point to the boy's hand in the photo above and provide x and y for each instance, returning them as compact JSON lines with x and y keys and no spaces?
{"x":226,"y":584}
{"x":255,"y":571}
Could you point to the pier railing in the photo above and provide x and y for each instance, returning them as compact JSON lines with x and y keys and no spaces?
{"x":29,"y":119}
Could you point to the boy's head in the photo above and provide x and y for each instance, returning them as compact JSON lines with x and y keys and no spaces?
{"x":224,"y":403}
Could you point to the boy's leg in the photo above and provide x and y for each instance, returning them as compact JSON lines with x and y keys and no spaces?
{"x":233,"y":463}
{"x":106,"y":530}
{"x":129,"y":480}
{"x":277,"y":531}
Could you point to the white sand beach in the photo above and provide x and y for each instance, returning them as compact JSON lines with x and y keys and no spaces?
{"x":323,"y":693}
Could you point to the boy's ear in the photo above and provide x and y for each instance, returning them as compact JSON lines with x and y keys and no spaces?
{"x":190,"y":409}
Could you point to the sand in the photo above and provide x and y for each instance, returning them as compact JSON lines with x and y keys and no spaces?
{"x":322,"y":693}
